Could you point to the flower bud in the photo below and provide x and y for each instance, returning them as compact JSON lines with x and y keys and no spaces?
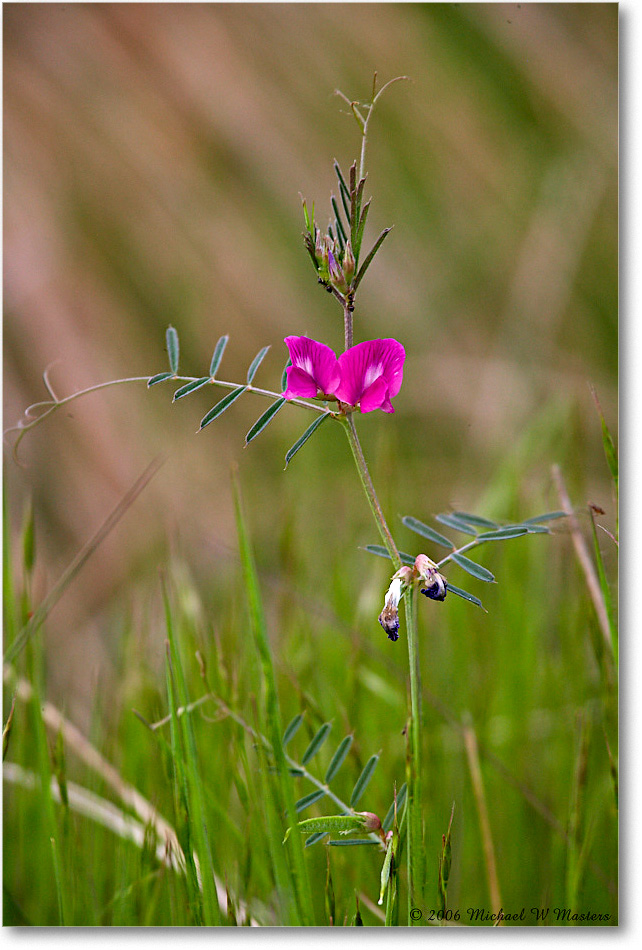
{"x":349,"y":263}
{"x":372,"y":822}
{"x":336,"y":274}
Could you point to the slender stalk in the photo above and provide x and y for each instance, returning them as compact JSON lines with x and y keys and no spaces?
{"x":472,"y":754}
{"x":366,"y":121}
{"x":368,"y":487}
{"x":413,"y":777}
{"x":347,"y":325}
{"x":414,"y":842}
{"x":51,"y":405}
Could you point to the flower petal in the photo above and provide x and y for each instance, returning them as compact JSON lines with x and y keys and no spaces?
{"x":315,"y":359}
{"x":376,"y":397}
{"x":365,"y":363}
{"x":300,"y":383}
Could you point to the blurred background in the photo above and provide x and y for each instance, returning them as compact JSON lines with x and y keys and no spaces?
{"x":154,"y":158}
{"x":153,"y":164}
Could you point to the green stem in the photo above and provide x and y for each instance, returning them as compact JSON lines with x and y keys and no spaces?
{"x":368,"y":487}
{"x":414,"y":842}
{"x":413,"y":777}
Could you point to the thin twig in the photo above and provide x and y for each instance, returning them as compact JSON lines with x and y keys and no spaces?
{"x":472,"y":754}
{"x":583,"y":556}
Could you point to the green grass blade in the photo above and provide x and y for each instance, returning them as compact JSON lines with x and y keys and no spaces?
{"x":199,"y":831}
{"x":316,"y":742}
{"x":338,"y":759}
{"x":171,"y":338}
{"x":8,"y":591}
{"x":256,"y":362}
{"x":300,"y":442}
{"x":221,"y":406}
{"x":363,"y":780}
{"x":272,"y":715}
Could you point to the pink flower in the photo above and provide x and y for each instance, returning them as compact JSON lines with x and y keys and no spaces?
{"x":371,"y":374}
{"x":314,"y":370}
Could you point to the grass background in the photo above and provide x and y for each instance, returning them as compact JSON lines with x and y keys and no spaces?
{"x":153,"y":160}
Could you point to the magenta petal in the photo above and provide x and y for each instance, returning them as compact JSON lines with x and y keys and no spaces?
{"x":316,"y":360}
{"x":375,"y":396}
{"x":365,"y":363}
{"x":300,"y":383}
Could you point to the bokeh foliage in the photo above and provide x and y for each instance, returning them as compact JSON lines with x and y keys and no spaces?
{"x":152,"y":164}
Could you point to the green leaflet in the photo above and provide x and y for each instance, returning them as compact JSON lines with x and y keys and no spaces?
{"x":452,"y":522}
{"x":338,"y":759}
{"x":481,"y":573}
{"x":464,"y":595}
{"x":158,"y":378}
{"x":256,"y":362}
{"x":300,"y":442}
{"x":420,"y":528}
{"x":363,"y":780}
{"x":264,"y":420}
{"x":316,"y":742}
{"x":308,"y":800}
{"x":475,"y":520}
{"x":171,"y":338}
{"x":190,"y":387}
{"x":221,"y":406}
{"x":291,"y":729}
{"x":217,"y":356}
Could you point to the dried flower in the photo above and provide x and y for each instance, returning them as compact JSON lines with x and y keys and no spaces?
{"x":389,"y":616}
{"x":428,"y":573}
{"x":371,"y":374}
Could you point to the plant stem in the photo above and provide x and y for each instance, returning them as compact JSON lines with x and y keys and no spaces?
{"x":368,"y":487}
{"x":413,"y":778}
{"x":347,"y":326}
{"x":51,"y":405}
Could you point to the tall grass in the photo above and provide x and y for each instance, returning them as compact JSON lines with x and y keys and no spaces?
{"x":518,"y":732}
